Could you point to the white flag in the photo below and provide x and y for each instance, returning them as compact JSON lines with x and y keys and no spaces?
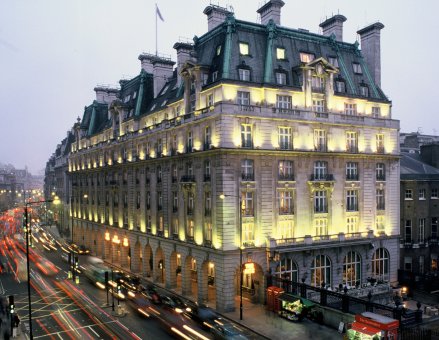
{"x":157,"y":11}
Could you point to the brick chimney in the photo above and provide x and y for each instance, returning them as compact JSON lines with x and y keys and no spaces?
{"x":271,"y":10}
{"x":215,"y":16}
{"x":146,"y":62}
{"x":162,"y":72}
{"x":371,"y":49}
{"x":334,"y":26}
{"x":105,"y":95}
{"x":183,"y":55}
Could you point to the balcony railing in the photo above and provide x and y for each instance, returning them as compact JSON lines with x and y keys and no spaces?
{"x":352,"y":177}
{"x":286,"y":177}
{"x":381,"y":177}
{"x":380,"y":149}
{"x":187,"y":179}
{"x":286,"y":211}
{"x":352,"y":148}
{"x":248,"y":212}
{"x":322,"y":177}
{"x":245,"y":143}
{"x":248,"y":177}
{"x":286,"y":146}
{"x":321,"y":147}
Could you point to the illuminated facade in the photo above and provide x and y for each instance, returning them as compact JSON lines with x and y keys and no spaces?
{"x":291,"y":128}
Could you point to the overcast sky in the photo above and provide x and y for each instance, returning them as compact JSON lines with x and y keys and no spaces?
{"x":54,"y":52}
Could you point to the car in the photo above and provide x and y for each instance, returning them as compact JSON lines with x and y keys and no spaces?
{"x":224,"y":330}
{"x":203,"y":315}
{"x":175,"y":303}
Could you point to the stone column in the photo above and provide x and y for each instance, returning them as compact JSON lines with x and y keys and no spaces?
{"x":202,"y":282}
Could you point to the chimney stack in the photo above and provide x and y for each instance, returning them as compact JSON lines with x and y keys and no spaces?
{"x":105,"y":95}
{"x":334,"y":26}
{"x":271,"y":11}
{"x":183,"y":55}
{"x":371,"y":49}
{"x":162,"y":72}
{"x":216,"y":15}
{"x":146,"y":62}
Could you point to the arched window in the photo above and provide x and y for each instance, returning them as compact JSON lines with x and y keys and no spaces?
{"x":380,"y":264}
{"x":321,"y":271}
{"x":351,"y":268}
{"x":287,"y":270}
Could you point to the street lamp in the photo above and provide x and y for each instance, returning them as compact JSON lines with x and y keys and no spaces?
{"x":28,"y":231}
{"x":241,"y":273}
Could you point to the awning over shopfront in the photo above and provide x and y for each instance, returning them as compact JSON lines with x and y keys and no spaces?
{"x":293,"y":298}
{"x":364,"y":329}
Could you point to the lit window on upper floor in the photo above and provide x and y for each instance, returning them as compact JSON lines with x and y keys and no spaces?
{"x":281,"y":78}
{"x":280,"y":53}
{"x":243,"y":48}
{"x":244,"y":74}
{"x":357,"y":68}
{"x":333,"y":61}
{"x":218,"y":50}
{"x":376,"y":111}
{"x":306,"y":57}
{"x":364,"y":91}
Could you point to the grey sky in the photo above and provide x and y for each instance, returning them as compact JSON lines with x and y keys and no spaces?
{"x":53,"y":53}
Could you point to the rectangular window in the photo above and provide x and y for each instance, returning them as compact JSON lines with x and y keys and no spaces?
{"x":434,"y":227}
{"x":351,"y":142}
{"x":318,"y":105}
{"x":189,"y":169}
{"x":281,"y":78}
{"x":434,"y":193}
{"x":285,"y":229}
{"x":333,"y":61}
{"x":159,"y":200}
{"x":408,"y":194}
{"x":214,"y":76}
{"x":207,"y":169}
{"x":283,"y":102}
{"x":352,"y":224}
{"x":408,"y":231}
{"x":306,"y":57}
{"x":175,"y":226}
{"x":286,"y":203}
{"x":207,"y":204}
{"x":247,"y":170}
{"x":320,"y":205}
{"x":408,"y":263}
{"x":317,"y":84}
{"x":190,"y":203}
{"x":380,"y":142}
{"x":190,"y":229}
{"x":246,"y":136}
{"x":320,"y":140}
{"x":357,"y":68}
{"x":209,"y":100}
{"x":248,"y":234}
{"x":243,"y":98}
{"x":422,"y":194}
{"x":320,"y":170}
{"x":380,"y":172}
{"x":350,"y":109}
{"x":380,"y":199}
{"x":247,"y":204}
{"x":280,"y":53}
{"x":207,"y":138}
{"x":352,"y":171}
{"x":285,"y":138}
{"x":340,"y":86}
{"x":243,"y":48}
{"x":380,"y":223}
{"x":286,"y":171}
{"x":376,"y":111}
{"x":421,"y":230}
{"x":321,"y":226}
{"x":364,"y":91}
{"x":351,"y":200}
{"x":244,"y":74}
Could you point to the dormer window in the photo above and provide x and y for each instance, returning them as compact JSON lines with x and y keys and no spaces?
{"x":306,"y":57}
{"x":333,"y":61}
{"x":152,"y":108}
{"x":281,"y":78}
{"x":244,"y":74}
{"x":127,"y":99}
{"x":243,"y":48}
{"x":317,"y":83}
{"x":218,"y":50}
{"x":364,"y":91}
{"x":357,"y":68}
{"x":214,"y":76}
{"x":280,"y":53}
{"x":340,"y":86}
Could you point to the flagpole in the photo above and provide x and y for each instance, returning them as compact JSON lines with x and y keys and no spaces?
{"x":156,"y":13}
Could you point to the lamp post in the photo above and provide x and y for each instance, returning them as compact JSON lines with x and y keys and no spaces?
{"x":241,"y":272}
{"x":28,"y":231}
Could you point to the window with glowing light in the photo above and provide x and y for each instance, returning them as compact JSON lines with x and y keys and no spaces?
{"x":248,"y":203}
{"x":379,"y":222}
{"x":280,"y":53}
{"x":320,"y":140}
{"x":379,"y":142}
{"x":287,"y":269}
{"x":175,"y":226}
{"x":351,"y":200}
{"x":286,"y":206}
{"x":243,"y":48}
{"x":283,"y":102}
{"x":352,"y":269}
{"x":350,"y":109}
{"x":208,"y":231}
{"x":320,"y":206}
{"x":244,"y":74}
{"x":352,"y":171}
{"x":207,"y":138}
{"x":285,"y":229}
{"x":246,"y":136}
{"x":243,"y":98}
{"x":380,"y":264}
{"x":285,"y":138}
{"x":380,"y":201}
{"x":306,"y":57}
{"x":321,"y":271}
{"x":248,"y":234}
{"x":351,"y":142}
{"x":352,"y":224}
{"x":247,"y":170}
{"x":286,"y":170}
{"x":421,"y":230}
{"x":190,"y":230}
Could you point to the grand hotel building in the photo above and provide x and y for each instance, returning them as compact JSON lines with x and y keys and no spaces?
{"x":272,"y":139}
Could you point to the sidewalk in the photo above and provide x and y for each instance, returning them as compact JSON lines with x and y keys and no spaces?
{"x":269,"y":324}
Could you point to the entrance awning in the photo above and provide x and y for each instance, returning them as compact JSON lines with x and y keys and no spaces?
{"x":365,"y":329}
